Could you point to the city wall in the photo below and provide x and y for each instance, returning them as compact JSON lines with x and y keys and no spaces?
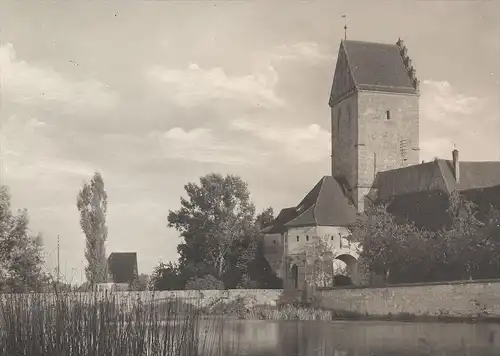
{"x":463,"y":299}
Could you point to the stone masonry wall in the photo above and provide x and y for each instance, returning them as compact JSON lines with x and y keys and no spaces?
{"x":456,"y":299}
{"x":344,"y":131}
{"x":202,"y":298}
{"x":384,"y":143}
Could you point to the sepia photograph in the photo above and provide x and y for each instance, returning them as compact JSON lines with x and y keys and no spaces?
{"x":250,"y":178}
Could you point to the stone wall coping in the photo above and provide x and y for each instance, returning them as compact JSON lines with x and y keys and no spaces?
{"x":403,"y":285}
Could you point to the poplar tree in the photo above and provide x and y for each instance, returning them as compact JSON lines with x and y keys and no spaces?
{"x":92,"y":205}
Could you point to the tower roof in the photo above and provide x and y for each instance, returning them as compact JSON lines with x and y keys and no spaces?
{"x":372,"y":66}
{"x":325,"y":205}
{"x":377,"y":66}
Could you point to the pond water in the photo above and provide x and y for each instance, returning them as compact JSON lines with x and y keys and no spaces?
{"x":359,"y":338}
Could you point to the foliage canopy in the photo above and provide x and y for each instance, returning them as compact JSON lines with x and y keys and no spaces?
{"x":221,"y":236}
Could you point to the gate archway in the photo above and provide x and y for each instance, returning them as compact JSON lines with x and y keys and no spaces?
{"x":351,"y":264}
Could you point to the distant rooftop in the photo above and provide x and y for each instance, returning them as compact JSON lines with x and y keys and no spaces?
{"x":437,"y":175}
{"x":122,"y":266}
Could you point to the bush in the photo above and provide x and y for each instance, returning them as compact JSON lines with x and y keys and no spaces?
{"x":207,"y":282}
{"x":287,"y":312}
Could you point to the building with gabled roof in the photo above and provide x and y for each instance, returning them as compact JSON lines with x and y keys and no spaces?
{"x":421,"y":192}
{"x":325,"y":205}
{"x":122,"y":267}
{"x":374,"y":102}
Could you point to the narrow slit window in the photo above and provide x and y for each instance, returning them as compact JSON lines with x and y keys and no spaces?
{"x":307,"y":238}
{"x":297,"y":239}
{"x":388,"y":114}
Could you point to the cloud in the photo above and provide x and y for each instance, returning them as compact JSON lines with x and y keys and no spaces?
{"x":194,"y":85}
{"x":436,"y":147}
{"x":302,"y":51}
{"x":451,"y":118}
{"x":299,"y":144}
{"x":29,"y":84}
{"x":201,"y":145}
{"x":27,"y":152}
{"x":441,"y":103}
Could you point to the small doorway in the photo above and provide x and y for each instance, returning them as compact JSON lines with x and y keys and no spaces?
{"x":295,"y":276}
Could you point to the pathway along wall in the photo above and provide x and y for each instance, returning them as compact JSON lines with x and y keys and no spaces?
{"x":462,"y":299}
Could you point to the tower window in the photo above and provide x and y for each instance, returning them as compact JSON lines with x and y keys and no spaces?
{"x":403,"y":146}
{"x":388,"y":114}
{"x":297,"y":239}
{"x":307,"y":237}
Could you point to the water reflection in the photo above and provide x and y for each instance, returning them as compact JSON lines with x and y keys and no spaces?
{"x":343,"y":338}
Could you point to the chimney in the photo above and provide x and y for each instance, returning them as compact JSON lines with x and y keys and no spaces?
{"x":456,"y":165}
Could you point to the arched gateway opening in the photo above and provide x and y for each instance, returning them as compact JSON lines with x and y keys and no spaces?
{"x":345,"y":270}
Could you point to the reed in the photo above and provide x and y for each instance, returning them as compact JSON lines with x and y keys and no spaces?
{"x":287,"y":312}
{"x":104,"y":324}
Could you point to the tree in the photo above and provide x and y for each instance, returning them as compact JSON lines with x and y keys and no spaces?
{"x":319,"y":257}
{"x":217,"y":224}
{"x":92,"y":205}
{"x":167,"y":276}
{"x":21,"y":258}
{"x":471,"y":247}
{"x":141,"y":283}
{"x":393,"y":248}
{"x":207,"y":282}
{"x":265,"y":218}
{"x":465,"y":247}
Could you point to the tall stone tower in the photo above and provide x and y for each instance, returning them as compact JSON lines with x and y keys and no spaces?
{"x":374,"y":105}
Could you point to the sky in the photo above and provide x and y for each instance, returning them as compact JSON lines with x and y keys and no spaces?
{"x":156,"y":94}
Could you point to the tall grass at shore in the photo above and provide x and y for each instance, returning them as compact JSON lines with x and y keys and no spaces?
{"x":102,"y":324}
{"x":287,"y":312}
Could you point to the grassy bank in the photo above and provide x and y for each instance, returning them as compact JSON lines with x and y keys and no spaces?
{"x":303,"y":311}
{"x":291,"y":312}
{"x":78,"y":324}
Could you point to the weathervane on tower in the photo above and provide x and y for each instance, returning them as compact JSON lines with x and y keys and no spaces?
{"x":345,"y":26}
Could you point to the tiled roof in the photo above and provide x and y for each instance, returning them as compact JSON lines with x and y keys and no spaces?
{"x":325,"y":205}
{"x":477,"y":175}
{"x":436,"y":175}
{"x":377,"y":66}
{"x":278,"y":225}
{"x":122,"y":266}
